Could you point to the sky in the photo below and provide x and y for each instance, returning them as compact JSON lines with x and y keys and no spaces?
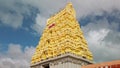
{"x":22,"y":23}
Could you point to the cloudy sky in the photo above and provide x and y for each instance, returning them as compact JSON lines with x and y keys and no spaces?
{"x":22,"y":23}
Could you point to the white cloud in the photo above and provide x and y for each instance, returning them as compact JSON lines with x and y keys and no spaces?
{"x":103,"y":40}
{"x":15,"y":57}
{"x":13,"y":20}
{"x":96,"y":36}
{"x":83,"y":7}
{"x":11,"y":11}
{"x":40,"y":23}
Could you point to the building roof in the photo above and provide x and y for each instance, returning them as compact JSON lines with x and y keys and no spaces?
{"x":115,"y":63}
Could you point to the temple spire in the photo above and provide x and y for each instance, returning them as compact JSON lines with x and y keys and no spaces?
{"x":62,"y":35}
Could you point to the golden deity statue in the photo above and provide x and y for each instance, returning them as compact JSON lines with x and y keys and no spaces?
{"x":62,"y":35}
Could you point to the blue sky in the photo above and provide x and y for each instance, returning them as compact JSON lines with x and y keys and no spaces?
{"x":22,"y":23}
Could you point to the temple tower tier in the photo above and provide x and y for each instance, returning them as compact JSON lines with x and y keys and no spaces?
{"x":67,"y":60}
{"x":62,"y":44}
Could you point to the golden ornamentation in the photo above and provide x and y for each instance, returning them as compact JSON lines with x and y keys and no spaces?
{"x":62,"y":35}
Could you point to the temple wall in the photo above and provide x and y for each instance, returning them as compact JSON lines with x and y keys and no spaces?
{"x":63,"y":61}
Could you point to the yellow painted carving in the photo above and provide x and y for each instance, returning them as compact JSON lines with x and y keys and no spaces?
{"x":62,"y":35}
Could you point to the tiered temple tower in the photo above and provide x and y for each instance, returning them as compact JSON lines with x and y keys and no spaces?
{"x":62,"y":44}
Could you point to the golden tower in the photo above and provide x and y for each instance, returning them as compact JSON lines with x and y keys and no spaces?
{"x":62,"y":36}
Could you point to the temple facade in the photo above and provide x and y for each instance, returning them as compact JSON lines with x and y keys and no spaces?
{"x":62,"y":44}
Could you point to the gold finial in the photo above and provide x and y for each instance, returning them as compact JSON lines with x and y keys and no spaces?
{"x":69,"y":3}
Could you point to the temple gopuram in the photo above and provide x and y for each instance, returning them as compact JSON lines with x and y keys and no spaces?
{"x":62,"y":44}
